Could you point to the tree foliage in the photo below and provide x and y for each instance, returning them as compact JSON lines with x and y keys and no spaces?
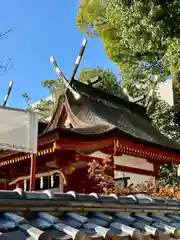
{"x":136,"y":31}
{"x":163,"y":117}
{"x":46,"y":106}
{"x":108,"y":81}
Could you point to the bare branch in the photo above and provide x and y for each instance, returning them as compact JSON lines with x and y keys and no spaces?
{"x":4,"y":67}
{"x":27,"y":99}
{"x":5,"y":35}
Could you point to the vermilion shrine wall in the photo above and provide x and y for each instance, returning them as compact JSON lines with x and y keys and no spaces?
{"x":79,"y":181}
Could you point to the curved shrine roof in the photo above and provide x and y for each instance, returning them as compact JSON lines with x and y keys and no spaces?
{"x":97,"y":112}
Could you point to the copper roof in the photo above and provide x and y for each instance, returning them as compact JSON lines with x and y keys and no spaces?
{"x":48,"y":215}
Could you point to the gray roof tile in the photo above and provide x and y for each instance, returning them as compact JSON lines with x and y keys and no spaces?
{"x":14,"y":218}
{"x":6,"y":224}
{"x":46,"y":215}
{"x":41,"y":223}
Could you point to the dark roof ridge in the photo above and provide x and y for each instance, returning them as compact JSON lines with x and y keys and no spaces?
{"x":94,"y":92}
{"x":64,"y":199}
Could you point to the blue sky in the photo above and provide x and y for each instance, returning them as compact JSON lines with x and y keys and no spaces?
{"x":41,"y":28}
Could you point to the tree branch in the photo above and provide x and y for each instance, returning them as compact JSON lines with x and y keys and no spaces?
{"x":4,"y":35}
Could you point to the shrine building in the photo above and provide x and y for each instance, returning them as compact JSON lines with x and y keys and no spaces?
{"x":94,"y":126}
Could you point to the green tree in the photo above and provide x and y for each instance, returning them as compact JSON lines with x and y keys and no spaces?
{"x":46,"y":106}
{"x":163,"y":117}
{"x":108,"y":81}
{"x":135,"y":32}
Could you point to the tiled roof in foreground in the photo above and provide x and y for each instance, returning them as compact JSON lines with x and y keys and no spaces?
{"x":47,"y":215}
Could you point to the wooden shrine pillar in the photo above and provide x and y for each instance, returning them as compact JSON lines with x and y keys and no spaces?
{"x":156,"y":170}
{"x":113,"y":150}
{"x":33,"y":173}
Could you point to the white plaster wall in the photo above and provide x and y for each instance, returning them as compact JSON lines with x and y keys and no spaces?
{"x":135,"y":162}
{"x":98,"y":154}
{"x":134,"y":178}
{"x":128,"y":161}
